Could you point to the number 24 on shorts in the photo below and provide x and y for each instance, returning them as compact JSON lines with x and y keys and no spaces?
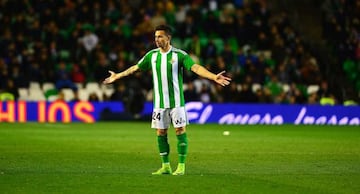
{"x":156,"y":116}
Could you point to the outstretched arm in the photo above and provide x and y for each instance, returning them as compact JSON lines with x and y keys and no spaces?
{"x":218,"y":78}
{"x":115,"y":76}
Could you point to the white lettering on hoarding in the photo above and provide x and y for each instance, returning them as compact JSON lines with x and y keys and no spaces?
{"x":205,"y":114}
{"x":190,"y":106}
{"x":303,"y":118}
{"x":300,"y":116}
{"x":196,"y":111}
{"x":321,"y":120}
{"x":343,"y":121}
{"x":251,"y":119}
{"x":197,"y":106}
{"x":354,"y":121}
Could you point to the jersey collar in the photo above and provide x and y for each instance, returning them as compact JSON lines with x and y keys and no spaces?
{"x":166,"y":51}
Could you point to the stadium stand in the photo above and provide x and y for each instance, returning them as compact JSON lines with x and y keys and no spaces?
{"x":75,"y":43}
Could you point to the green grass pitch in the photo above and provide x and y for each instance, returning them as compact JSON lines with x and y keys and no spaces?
{"x":118,"y":157}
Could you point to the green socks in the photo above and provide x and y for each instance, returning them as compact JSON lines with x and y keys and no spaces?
{"x":164,"y":148}
{"x":182,"y":147}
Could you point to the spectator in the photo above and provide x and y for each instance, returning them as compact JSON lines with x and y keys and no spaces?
{"x":295,"y":95}
{"x":264,"y":95}
{"x":89,"y":40}
{"x":228,"y":55}
{"x":205,"y":94}
{"x":93,"y":97}
{"x":232,"y":94}
{"x":190,"y":93}
{"x":246,"y":94}
{"x":187,"y":28}
{"x":63,"y":77}
{"x":209,"y":51}
{"x":119,"y":94}
{"x":11,"y":89}
{"x":274,"y":86}
{"x":36,"y":36}
{"x":102,"y":67}
{"x":77,"y":75}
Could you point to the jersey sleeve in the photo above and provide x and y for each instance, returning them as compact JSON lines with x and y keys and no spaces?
{"x":188,"y":62}
{"x":144,"y":63}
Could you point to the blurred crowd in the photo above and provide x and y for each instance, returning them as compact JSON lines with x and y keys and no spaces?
{"x":72,"y":42}
{"x":341,"y":30}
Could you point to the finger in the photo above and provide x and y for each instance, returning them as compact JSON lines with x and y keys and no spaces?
{"x":225,"y":83}
{"x":111,"y":72}
{"x":221,"y":73}
{"x":225,"y":78}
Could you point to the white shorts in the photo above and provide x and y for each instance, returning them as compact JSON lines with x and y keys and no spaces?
{"x":162,"y":117}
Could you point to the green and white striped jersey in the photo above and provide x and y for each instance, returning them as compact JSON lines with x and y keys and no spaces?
{"x":167,"y":71}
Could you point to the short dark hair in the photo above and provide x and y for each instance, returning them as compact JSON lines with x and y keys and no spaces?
{"x":166,"y":28}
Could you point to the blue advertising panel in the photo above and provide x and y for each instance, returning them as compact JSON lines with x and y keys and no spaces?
{"x":198,"y":112}
{"x":272,"y":114}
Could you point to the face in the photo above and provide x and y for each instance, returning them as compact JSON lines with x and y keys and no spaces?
{"x":161,"y":39}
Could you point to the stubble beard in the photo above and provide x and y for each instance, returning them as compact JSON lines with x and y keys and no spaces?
{"x":163,"y":46}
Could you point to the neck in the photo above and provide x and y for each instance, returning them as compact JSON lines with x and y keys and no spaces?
{"x":165,"y":49}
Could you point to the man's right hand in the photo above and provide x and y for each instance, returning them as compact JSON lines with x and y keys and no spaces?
{"x":111,"y":78}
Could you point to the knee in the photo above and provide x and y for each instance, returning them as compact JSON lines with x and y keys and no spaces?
{"x":180,"y":130}
{"x":161,"y":132}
